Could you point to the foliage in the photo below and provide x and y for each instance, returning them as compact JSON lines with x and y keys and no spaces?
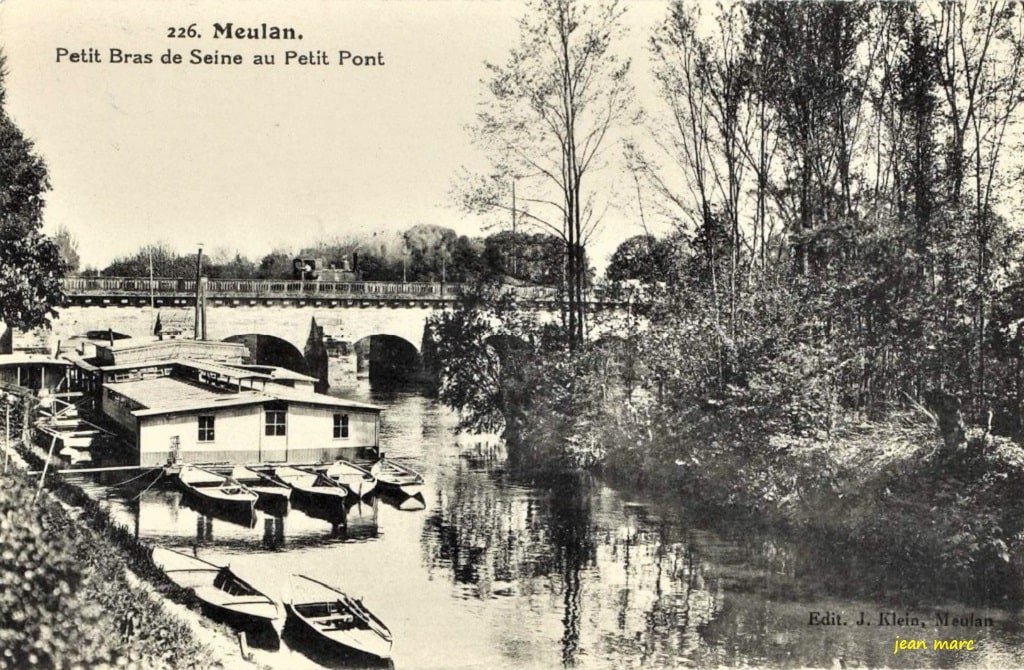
{"x":65,"y":600}
{"x":30,"y":264}
{"x":505,"y":372}
{"x":644,"y":258}
{"x":419,"y":253}
{"x":536,"y":258}
{"x":67,"y":245}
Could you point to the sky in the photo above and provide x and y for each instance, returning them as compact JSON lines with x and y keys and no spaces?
{"x":256,"y":158}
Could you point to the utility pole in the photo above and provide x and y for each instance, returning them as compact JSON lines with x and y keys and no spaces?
{"x":200,"y":325}
{"x":152,"y":298}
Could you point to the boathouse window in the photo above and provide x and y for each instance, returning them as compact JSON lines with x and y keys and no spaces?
{"x":340,"y":425}
{"x":275,"y":422}
{"x":205,"y":428}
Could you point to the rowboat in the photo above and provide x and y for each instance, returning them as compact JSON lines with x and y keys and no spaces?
{"x":312,"y":485}
{"x":265,"y":486}
{"x":216,"y":585}
{"x":332,"y":615}
{"x":394,"y":476}
{"x":358,"y":479}
{"x":215,"y":489}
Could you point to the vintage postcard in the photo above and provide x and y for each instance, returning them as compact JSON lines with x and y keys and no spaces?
{"x":512,"y":334}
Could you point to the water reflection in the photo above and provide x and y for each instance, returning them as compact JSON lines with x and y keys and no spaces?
{"x":485,"y":570}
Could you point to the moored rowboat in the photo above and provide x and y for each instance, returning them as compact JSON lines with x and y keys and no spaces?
{"x":332,"y":615}
{"x":359,"y":480}
{"x":216,"y":489}
{"x":216,"y":585}
{"x":315,"y":486}
{"x":394,"y":476}
{"x":265,"y":486}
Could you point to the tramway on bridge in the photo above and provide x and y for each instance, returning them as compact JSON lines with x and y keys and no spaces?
{"x":309,"y":326}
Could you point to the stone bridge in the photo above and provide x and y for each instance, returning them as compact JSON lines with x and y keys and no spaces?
{"x":306,"y":325}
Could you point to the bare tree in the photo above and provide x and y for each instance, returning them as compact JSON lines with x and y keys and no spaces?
{"x":547,"y":118}
{"x":982,"y":65}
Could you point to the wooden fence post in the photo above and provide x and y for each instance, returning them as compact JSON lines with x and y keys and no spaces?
{"x":46,"y":466}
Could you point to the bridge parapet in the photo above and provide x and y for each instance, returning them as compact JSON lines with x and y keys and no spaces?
{"x":274,"y":289}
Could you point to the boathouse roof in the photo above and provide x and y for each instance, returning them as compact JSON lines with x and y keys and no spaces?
{"x":168,"y":395}
{"x":21,"y":358}
{"x":276,"y":373}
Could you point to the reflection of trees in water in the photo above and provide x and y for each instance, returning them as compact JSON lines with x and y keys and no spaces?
{"x":630,"y":584}
{"x":499,"y":539}
{"x":663,"y":598}
{"x":686,"y":594}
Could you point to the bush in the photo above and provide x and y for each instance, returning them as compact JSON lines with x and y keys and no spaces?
{"x":65,"y":599}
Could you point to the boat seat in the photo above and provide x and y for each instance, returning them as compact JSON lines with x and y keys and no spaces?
{"x":338,"y":623}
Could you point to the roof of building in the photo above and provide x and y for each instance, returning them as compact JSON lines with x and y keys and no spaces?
{"x":22,"y":358}
{"x":221,"y":369}
{"x":167,"y":395}
{"x":276,"y":373}
{"x":224,"y":370}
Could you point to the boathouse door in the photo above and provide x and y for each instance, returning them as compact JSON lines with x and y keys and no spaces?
{"x":274,"y":433}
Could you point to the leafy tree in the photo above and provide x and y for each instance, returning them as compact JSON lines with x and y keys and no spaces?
{"x":540,"y":257}
{"x":165,"y":260}
{"x":505,"y":372}
{"x":67,"y":244}
{"x":31,"y":268}
{"x":644,"y":258}
{"x":429,"y":250}
{"x":275,"y":265}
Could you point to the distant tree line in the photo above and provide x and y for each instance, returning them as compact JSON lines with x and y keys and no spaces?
{"x":420,"y":253}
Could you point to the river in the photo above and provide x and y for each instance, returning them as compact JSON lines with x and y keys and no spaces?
{"x":489,"y":572}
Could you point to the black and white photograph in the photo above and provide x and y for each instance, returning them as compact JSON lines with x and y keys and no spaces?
{"x":525,"y":334}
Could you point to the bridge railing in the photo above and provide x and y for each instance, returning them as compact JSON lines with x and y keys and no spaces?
{"x":267,"y":288}
{"x":141,"y":287}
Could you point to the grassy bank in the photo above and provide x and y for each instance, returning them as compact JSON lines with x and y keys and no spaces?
{"x":66,"y":599}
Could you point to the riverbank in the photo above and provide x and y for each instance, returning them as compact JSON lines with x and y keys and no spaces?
{"x":881,"y":499}
{"x":78,"y":590}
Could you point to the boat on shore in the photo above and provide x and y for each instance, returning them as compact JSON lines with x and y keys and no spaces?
{"x":217,"y":490}
{"x":332,"y":615}
{"x":312,"y":485}
{"x":266,"y":487}
{"x":358,"y":479}
{"x":397,"y":478}
{"x":217,"y":586}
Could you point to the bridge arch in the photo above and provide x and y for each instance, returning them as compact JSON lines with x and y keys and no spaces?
{"x":387,"y":357}
{"x":267,"y":349}
{"x":503,"y":343}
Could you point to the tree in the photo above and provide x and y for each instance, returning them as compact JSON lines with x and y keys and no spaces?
{"x":981,"y":72}
{"x":814,"y":78}
{"x":67,"y":244}
{"x":551,"y":108}
{"x":31,"y":268}
{"x":644,"y":258}
{"x":429,"y":250}
{"x":166,"y":262}
{"x":538,"y":257}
